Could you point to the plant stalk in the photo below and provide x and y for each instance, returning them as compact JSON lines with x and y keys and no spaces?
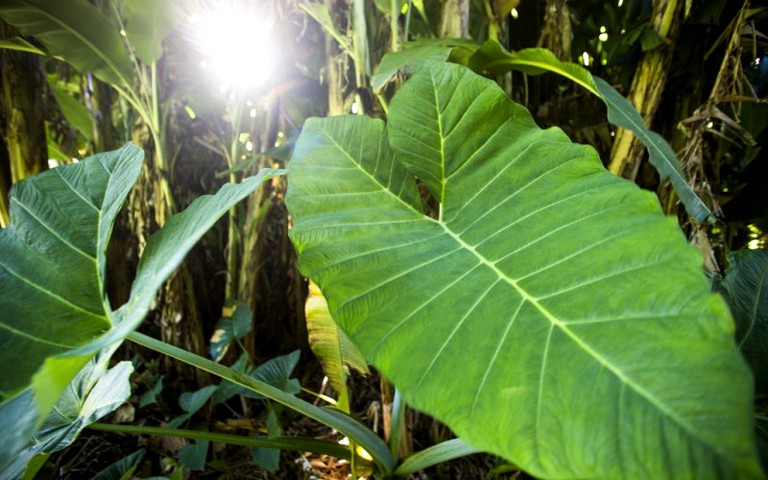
{"x":300,"y":444}
{"x":357,"y":433}
{"x":394,"y":15}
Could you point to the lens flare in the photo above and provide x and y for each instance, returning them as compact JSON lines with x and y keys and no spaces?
{"x":237,"y":44}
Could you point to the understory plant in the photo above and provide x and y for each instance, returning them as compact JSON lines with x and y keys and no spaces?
{"x":505,"y":282}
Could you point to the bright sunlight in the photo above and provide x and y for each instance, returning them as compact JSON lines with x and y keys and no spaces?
{"x":237,"y":44}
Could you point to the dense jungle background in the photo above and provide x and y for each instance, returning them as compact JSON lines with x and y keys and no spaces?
{"x":696,"y":70}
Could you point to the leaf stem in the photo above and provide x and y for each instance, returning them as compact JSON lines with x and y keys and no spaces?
{"x":348,"y":426}
{"x":301,"y":444}
{"x":442,"y":452}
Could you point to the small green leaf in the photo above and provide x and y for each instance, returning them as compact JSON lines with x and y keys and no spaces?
{"x":193,"y":455}
{"x":233,"y":325}
{"x":191,"y":403}
{"x":150,"y":397}
{"x":122,"y":469}
{"x":269,"y":458}
{"x":650,"y":38}
{"x":275,"y":372}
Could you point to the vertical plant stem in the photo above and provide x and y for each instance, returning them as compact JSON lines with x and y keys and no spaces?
{"x":394,"y":15}
{"x":407,"y":26}
{"x":22,"y":78}
{"x":493,"y":25}
{"x":648,"y":86}
{"x":231,"y":288}
{"x":5,"y":188}
{"x":156,"y":130}
{"x":398,"y":423}
{"x":360,"y":44}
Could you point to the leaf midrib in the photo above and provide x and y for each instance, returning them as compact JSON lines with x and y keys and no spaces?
{"x":564,"y":328}
{"x":66,"y":27}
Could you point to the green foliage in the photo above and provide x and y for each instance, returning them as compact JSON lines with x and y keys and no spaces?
{"x":122,"y":469}
{"x":745,"y":288}
{"x":75,"y":112}
{"x":93,"y":393}
{"x":147,"y":22}
{"x":51,"y":246}
{"x":494,"y":59}
{"x":53,"y":272}
{"x":269,"y":458}
{"x":76,"y":31}
{"x":551,"y":314}
{"x":150,"y":397}
{"x":415,"y":54}
{"x":275,"y":372}
{"x":231,"y":327}
{"x":192,"y":456}
{"x":331,"y":346}
{"x":20,"y":45}
{"x":191,"y":402}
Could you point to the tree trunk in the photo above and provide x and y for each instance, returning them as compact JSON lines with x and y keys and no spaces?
{"x":648,"y":86}
{"x":5,"y":181}
{"x":454,"y":19}
{"x":24,"y":87}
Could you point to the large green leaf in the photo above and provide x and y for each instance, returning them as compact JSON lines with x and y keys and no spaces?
{"x":551,"y":314}
{"x":76,"y":31}
{"x":53,"y":262}
{"x":492,"y":57}
{"x":53,"y":269}
{"x":746,"y":290}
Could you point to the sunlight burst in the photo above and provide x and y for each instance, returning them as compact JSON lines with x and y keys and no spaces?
{"x":238,"y":46}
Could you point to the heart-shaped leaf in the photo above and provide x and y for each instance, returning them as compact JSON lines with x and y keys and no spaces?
{"x":53,"y":262}
{"x":551,"y":314}
{"x":53,"y":272}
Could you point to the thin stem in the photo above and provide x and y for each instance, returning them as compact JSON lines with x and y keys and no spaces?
{"x":300,"y":444}
{"x":394,"y":15}
{"x":398,"y":421}
{"x":442,"y":452}
{"x":407,"y":26}
{"x":230,"y":290}
{"x":357,"y":432}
